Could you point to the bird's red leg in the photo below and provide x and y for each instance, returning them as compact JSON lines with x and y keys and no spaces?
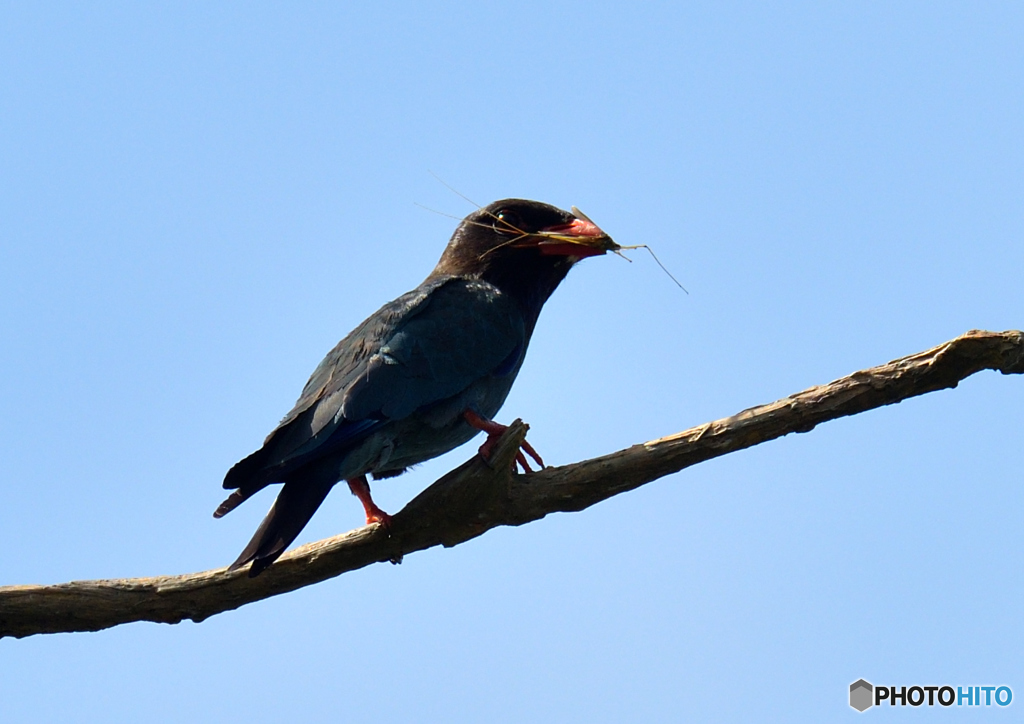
{"x":361,"y":489}
{"x":495,"y":430}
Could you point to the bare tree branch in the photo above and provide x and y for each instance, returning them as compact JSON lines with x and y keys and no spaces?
{"x":475,"y":497}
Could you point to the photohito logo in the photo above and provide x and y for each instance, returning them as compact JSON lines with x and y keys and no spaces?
{"x":863,"y":695}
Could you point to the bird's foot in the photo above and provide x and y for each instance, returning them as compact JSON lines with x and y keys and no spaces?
{"x":361,"y":489}
{"x":494,"y":431}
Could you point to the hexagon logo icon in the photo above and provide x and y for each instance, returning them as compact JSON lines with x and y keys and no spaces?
{"x":861,"y":695}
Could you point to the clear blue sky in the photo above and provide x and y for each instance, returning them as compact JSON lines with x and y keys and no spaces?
{"x":197,"y":201}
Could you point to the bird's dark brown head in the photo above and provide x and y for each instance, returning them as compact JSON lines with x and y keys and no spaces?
{"x":524,"y":248}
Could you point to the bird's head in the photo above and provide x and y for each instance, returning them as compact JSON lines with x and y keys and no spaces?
{"x":523,"y":247}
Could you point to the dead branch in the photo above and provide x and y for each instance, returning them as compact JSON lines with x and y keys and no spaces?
{"x":474,"y":498}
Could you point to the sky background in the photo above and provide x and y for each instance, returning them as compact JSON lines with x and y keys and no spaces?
{"x":198,"y":200}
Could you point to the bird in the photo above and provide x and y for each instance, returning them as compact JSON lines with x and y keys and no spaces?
{"x":420,"y":376}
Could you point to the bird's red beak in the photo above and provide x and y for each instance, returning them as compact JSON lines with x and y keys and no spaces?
{"x":580,"y":238}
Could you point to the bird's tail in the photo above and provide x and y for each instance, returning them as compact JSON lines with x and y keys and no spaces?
{"x":293,"y":508}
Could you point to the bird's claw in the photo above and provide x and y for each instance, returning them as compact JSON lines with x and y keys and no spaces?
{"x":360,"y":488}
{"x":379,"y":516}
{"x":494,"y":432}
{"x":527,"y":448}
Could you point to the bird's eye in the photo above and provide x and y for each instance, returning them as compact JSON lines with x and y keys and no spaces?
{"x":507,"y":222}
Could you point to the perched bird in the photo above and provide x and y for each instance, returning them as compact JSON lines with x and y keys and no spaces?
{"x":421,"y":376}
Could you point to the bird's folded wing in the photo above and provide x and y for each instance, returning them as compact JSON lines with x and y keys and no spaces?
{"x":467,"y":331}
{"x":425,"y":347}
